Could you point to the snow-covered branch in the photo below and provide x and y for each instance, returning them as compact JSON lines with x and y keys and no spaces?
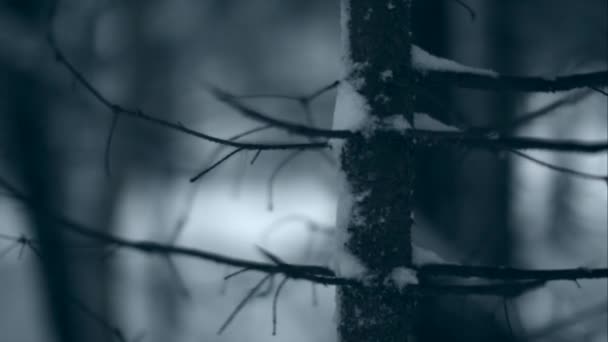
{"x":433,"y":69}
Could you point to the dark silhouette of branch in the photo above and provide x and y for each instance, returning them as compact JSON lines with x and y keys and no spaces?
{"x":255,"y":157}
{"x":305,"y":130}
{"x":107,"y":150}
{"x":180,"y":283}
{"x":515,"y":281}
{"x":112,"y":330}
{"x":275,"y":174}
{"x":306,"y":99}
{"x":243,"y":302}
{"x":275,"y":301}
{"x":467,"y":8}
{"x":236,"y":273}
{"x":499,"y":143}
{"x":505,"y":310}
{"x":184,"y":217}
{"x":561,"y":169}
{"x":525,"y":119}
{"x":176,"y":126}
{"x":593,"y":311}
{"x":8,"y":249}
{"x":597,"y":89}
{"x":515,"y":83}
{"x":251,"y":131}
{"x":475,"y":141}
{"x":509,"y":273}
{"x":218,"y":163}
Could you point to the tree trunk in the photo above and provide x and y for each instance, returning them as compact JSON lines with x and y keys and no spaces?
{"x":378,"y":172}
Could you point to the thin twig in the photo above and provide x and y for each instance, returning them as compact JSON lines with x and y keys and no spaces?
{"x":507,"y":318}
{"x":177,"y":276}
{"x":514,"y":280}
{"x":218,"y":163}
{"x":236,"y":273}
{"x":468,"y":8}
{"x":139,"y":114}
{"x":275,"y":301}
{"x":304,"y":130}
{"x":242,"y":303}
{"x":561,"y":169}
{"x":515,"y":83}
{"x":111,"y":329}
{"x":430,"y":138}
{"x":108,"y":148}
{"x":255,"y":157}
{"x":275,"y":174}
{"x":603,"y":92}
{"x":525,"y":119}
{"x":509,"y":273}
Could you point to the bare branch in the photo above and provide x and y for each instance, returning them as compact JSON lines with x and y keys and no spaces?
{"x":231,"y":101}
{"x":302,"y":99}
{"x":180,"y":283}
{"x":113,"y":330}
{"x":243,"y":302}
{"x":275,"y":301}
{"x":524,"y":120}
{"x":218,"y":163}
{"x":515,"y":83}
{"x":515,"y":281}
{"x":594,"y":311}
{"x":599,"y":90}
{"x":106,"y":154}
{"x":139,"y":114}
{"x":467,"y":8}
{"x":276,"y":173}
{"x":561,"y":169}
{"x":509,"y":273}
{"x":499,"y":143}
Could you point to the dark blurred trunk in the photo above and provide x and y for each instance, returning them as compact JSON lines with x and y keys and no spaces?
{"x":480,"y":208}
{"x":465,"y":193}
{"x":39,"y":175}
{"x":74,"y":283}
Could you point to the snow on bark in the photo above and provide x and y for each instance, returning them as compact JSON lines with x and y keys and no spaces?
{"x":400,"y":124}
{"x":422,"y":256}
{"x":351,"y":110}
{"x":403,"y":276}
{"x":424,"y":61}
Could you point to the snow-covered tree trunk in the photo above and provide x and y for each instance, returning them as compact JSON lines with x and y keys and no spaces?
{"x":374,"y":215}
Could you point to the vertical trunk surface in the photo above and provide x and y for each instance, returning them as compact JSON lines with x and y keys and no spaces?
{"x":378,"y":172}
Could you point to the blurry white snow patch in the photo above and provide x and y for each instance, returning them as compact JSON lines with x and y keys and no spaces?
{"x":425,"y":122}
{"x":346,"y":265}
{"x":386,"y":75}
{"x":403,"y":276}
{"x":397,"y":122}
{"x":423,"y":256}
{"x":424,"y":61}
{"x":351,"y":109}
{"x":342,"y":262}
{"x":422,"y":121}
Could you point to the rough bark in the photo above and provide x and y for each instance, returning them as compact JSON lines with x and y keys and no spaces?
{"x":378,"y":171}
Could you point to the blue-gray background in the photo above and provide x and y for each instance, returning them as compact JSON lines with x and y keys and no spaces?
{"x":157,"y":55}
